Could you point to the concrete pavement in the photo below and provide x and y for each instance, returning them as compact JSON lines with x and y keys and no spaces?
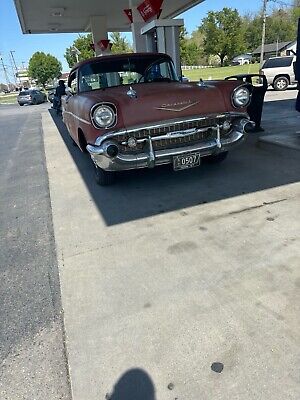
{"x":282,"y":122}
{"x":168,"y":277}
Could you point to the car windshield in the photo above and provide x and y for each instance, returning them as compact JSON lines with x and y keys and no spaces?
{"x":25,"y":93}
{"x":103,"y":74}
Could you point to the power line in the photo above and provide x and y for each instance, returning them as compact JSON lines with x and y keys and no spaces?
{"x":282,"y":3}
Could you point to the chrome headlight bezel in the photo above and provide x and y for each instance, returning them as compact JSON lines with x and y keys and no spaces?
{"x":238,"y":94}
{"x":110,"y":109}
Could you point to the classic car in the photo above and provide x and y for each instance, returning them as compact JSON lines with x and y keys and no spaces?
{"x":131,"y":111}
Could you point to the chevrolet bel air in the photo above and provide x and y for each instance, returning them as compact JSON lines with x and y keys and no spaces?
{"x":131,"y":111}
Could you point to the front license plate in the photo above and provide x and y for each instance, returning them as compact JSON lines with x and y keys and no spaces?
{"x":186,"y":161}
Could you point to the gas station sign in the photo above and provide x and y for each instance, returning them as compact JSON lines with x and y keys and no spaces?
{"x":149,"y":9}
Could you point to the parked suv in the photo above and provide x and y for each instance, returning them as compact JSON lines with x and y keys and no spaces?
{"x":280,"y":72}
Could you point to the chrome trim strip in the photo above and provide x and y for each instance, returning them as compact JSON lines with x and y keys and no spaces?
{"x":178,"y":109}
{"x":76,"y":117}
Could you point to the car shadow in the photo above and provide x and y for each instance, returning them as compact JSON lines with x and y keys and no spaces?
{"x":144,"y":193}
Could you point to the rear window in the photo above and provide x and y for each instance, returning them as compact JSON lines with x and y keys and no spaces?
{"x":278,"y":62}
{"x":25,"y":93}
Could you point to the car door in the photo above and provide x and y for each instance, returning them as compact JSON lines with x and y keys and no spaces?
{"x":69,"y":104}
{"x":39,"y":96}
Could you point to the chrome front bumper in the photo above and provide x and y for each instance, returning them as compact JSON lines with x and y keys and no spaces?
{"x":150,"y":158}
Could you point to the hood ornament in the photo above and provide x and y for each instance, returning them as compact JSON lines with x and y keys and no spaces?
{"x":131,"y":93}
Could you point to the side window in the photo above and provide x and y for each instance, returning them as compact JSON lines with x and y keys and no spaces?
{"x":278,"y":62}
{"x":73,"y":82}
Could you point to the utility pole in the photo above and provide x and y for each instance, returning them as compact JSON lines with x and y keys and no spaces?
{"x":14,"y":61}
{"x":5,"y":72}
{"x":263,"y":36}
{"x":13,"y":71}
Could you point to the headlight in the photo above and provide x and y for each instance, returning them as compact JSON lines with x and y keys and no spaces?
{"x":241,"y":97}
{"x":104,"y":116}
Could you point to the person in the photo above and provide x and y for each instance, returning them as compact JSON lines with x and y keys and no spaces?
{"x":297,"y":68}
{"x":59,"y":92}
{"x":298,"y":99}
{"x":84,"y":86}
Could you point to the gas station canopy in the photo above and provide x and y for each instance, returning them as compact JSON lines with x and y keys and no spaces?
{"x":63,"y":16}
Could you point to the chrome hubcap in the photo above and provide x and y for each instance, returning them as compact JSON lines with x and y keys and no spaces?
{"x":281,"y":84}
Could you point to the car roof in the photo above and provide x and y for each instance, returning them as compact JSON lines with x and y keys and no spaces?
{"x":117,"y":57}
{"x":273,"y":58}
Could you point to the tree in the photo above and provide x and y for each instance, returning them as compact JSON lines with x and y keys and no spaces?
{"x":119,"y":43}
{"x":223,"y":33}
{"x":279,"y":26}
{"x":43,"y":67}
{"x":85,"y":50}
{"x":252,"y":31}
{"x":82,"y":46}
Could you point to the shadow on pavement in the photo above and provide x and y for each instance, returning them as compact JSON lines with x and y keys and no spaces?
{"x":144,"y":193}
{"x":135,"y":384}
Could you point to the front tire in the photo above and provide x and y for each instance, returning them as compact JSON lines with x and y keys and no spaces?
{"x":216,"y":158}
{"x":104,"y":178}
{"x":281,"y":83}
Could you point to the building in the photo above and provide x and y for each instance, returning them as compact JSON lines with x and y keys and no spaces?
{"x":277,"y":49}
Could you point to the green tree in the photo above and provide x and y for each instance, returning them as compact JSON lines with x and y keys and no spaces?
{"x":252,"y":31}
{"x":279,"y":26}
{"x":119,"y":43}
{"x":223,"y":33}
{"x":43,"y":67}
{"x":82,"y":46}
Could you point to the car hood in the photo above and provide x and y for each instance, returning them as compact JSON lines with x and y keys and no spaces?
{"x":155,"y":102}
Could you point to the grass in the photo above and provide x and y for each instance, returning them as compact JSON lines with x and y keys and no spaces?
{"x":8,"y":98}
{"x":220,"y":72}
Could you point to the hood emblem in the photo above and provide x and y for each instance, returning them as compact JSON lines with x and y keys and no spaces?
{"x":177,"y":107}
{"x":131,"y":93}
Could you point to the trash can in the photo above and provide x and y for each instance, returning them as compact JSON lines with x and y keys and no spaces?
{"x":259,"y":86}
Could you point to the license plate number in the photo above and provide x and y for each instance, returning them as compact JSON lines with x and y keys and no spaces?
{"x":186,"y":161}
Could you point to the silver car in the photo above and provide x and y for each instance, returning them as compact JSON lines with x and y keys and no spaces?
{"x":31,"y":96}
{"x":280,"y":71}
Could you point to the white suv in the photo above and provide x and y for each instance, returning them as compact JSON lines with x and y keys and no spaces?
{"x":280,"y":71}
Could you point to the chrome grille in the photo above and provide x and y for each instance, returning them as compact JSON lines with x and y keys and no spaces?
{"x":170,"y":142}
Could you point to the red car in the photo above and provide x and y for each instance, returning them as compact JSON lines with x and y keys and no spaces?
{"x":131,"y":111}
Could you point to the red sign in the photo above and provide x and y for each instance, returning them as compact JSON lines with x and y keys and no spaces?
{"x":103,"y":44}
{"x":128,"y":12}
{"x":149,"y":9}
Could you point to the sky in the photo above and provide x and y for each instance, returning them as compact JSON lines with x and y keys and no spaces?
{"x":12,"y":38}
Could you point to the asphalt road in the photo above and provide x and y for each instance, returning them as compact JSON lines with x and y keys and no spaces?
{"x":32,"y":353}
